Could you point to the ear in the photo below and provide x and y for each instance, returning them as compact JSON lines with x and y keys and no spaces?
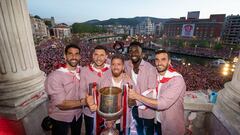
{"x":169,"y":62}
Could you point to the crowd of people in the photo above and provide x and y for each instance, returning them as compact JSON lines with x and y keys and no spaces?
{"x":197,"y":77}
{"x":50,"y":55}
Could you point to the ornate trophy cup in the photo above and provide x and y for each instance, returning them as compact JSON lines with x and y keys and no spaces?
{"x":112,"y":105}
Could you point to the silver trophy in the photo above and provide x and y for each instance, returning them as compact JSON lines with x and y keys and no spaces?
{"x":110,"y":107}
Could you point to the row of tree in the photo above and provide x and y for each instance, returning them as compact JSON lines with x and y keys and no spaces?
{"x":86,"y":28}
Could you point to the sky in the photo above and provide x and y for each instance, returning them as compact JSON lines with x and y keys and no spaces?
{"x":70,"y":11}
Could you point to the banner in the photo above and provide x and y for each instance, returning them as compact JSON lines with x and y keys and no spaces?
{"x":188,"y":30}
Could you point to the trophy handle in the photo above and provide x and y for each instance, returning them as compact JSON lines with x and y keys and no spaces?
{"x":92,"y":90}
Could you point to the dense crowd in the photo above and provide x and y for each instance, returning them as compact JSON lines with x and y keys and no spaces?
{"x":197,"y":77}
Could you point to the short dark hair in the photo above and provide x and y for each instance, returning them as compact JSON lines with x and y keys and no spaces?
{"x":163,"y":51}
{"x":71,"y":46}
{"x":117,"y":56}
{"x":134,"y":44}
{"x":100,"y":47}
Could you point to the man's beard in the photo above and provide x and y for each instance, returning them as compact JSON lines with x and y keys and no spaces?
{"x":73,"y":64}
{"x":117,"y":74}
{"x":162,"y":70}
{"x":135,"y":60}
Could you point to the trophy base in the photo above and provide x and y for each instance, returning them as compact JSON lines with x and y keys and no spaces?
{"x":110,"y":131}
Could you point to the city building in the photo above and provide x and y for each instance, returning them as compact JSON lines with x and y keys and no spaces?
{"x":61,"y":31}
{"x":146,"y":27}
{"x":39,"y":28}
{"x":231,"y":31}
{"x":117,"y":29}
{"x":203,"y":29}
{"x":193,"y":15}
{"x":159,"y":29}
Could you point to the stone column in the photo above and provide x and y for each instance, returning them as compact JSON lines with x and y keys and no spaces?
{"x":21,"y":80}
{"x":227,"y":108}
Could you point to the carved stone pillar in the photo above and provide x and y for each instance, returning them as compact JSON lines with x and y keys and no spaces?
{"x":21,"y":80}
{"x":227,"y":108}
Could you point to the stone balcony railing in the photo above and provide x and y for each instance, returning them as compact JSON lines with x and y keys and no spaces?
{"x":199,"y":118}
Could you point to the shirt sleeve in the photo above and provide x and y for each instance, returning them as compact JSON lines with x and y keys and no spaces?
{"x":55,"y":90}
{"x":170,"y":95}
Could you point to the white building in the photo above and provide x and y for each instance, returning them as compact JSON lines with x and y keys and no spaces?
{"x":61,"y":31}
{"x":39,"y":28}
{"x":146,"y":27}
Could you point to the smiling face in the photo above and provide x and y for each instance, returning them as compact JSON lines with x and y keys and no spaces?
{"x":162,"y":62}
{"x":117,"y":67}
{"x":99,"y":57}
{"x":135,"y":53}
{"x":72,"y":57}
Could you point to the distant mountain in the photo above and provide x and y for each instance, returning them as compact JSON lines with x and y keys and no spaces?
{"x":126,"y":21}
{"x":92,"y":21}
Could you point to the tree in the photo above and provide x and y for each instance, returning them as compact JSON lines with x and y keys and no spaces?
{"x":205,"y":43}
{"x":180,"y":43}
{"x":218,"y":46}
{"x":48,"y":23}
{"x":38,"y":17}
{"x":87,"y":28}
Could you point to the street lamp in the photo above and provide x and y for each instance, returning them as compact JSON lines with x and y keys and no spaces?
{"x":195,"y":50}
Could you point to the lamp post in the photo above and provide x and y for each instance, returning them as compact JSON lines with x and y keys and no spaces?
{"x":195,"y":50}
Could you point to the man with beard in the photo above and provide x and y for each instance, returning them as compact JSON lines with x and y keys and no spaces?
{"x":117,"y":79}
{"x":143,"y":75}
{"x":168,"y":97}
{"x":93,"y":73}
{"x":62,"y":86}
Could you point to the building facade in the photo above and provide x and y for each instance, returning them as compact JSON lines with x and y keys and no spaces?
{"x":146,"y":27}
{"x":39,"y":28}
{"x":202,"y":29}
{"x":61,"y":31}
{"x":231,"y":31}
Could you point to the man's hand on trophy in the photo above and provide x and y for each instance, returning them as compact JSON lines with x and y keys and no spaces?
{"x":132,"y":94}
{"x":90,"y":103}
{"x":89,"y":100}
{"x":93,"y":108}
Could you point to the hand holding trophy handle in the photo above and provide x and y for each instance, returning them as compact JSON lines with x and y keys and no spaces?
{"x":131,"y":102}
{"x":90,"y":98}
